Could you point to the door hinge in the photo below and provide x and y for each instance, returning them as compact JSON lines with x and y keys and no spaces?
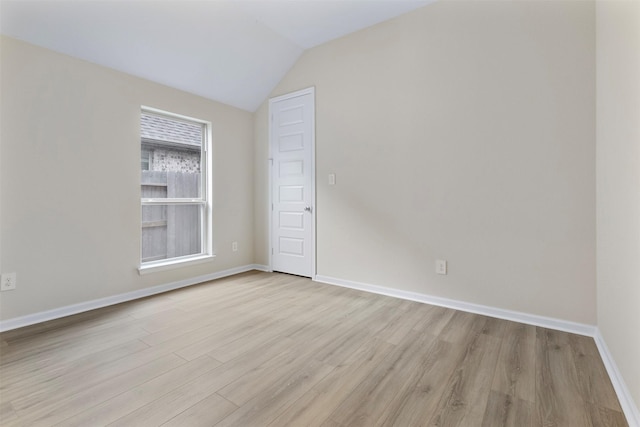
{"x":271,"y":251}
{"x":271,"y":206}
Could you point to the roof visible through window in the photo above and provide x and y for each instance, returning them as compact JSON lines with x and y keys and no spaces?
{"x":159,"y":128}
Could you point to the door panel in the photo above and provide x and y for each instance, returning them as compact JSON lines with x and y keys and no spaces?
{"x":292,"y":184}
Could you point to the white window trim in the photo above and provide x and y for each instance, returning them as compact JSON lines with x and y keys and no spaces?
{"x":206,"y":254}
{"x":173,"y":263}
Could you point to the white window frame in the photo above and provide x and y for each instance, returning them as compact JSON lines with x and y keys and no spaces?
{"x":206,"y":254}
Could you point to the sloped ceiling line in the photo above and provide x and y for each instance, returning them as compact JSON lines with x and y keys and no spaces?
{"x":231,"y":51}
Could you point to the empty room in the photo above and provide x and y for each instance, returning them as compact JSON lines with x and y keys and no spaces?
{"x":320,"y":213}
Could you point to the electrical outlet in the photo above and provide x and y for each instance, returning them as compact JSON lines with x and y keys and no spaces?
{"x":8,"y":282}
{"x":234,"y":246}
{"x":441,"y":266}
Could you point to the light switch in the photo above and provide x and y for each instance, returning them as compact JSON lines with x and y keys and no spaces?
{"x":332,"y":179}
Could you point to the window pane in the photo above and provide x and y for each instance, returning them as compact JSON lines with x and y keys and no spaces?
{"x":179,"y":133}
{"x":162,"y":157}
{"x":162,"y":184}
{"x":145,"y":159}
{"x":171,"y":231}
{"x":173,"y":167}
{"x":154,"y":233}
{"x":173,"y":152}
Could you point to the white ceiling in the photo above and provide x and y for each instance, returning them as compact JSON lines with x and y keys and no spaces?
{"x":232,"y":51}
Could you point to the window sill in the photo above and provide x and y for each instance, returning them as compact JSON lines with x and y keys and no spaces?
{"x":163,"y":265}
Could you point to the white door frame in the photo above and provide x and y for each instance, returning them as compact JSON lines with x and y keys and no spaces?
{"x":310,"y":90}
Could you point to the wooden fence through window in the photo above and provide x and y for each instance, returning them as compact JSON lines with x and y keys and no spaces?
{"x":170,"y":231}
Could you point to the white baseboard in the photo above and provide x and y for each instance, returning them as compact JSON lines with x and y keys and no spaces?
{"x":19,"y":322}
{"x":261,"y":267}
{"x":624,"y":395}
{"x":530,"y":319}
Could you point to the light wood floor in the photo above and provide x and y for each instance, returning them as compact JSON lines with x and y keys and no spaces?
{"x":263,"y":349}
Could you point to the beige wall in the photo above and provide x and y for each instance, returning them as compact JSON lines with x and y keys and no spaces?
{"x":69,"y":177}
{"x":618,"y":184}
{"x":461,"y":131}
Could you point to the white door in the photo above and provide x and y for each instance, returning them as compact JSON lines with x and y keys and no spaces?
{"x":292,"y":183}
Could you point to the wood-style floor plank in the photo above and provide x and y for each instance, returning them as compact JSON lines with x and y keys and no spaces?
{"x":110,"y":410}
{"x":516,"y":369}
{"x":467,"y":391}
{"x":264,"y":407}
{"x":266,"y":349}
{"x":65,"y":407}
{"x":7,"y":413}
{"x":314,"y":407}
{"x":367,"y":403}
{"x":421,"y":394}
{"x":558,"y":396}
{"x":594,"y":383}
{"x":32,"y":376}
{"x":205,"y":413}
{"x":504,"y":410}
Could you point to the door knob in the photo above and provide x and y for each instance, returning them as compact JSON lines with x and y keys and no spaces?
{"x":307,"y":208}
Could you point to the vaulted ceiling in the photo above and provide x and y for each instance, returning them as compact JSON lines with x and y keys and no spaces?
{"x":232,"y":51}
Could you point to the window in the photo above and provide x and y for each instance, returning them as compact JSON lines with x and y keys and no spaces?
{"x":175,"y":195}
{"x":145,"y":160}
